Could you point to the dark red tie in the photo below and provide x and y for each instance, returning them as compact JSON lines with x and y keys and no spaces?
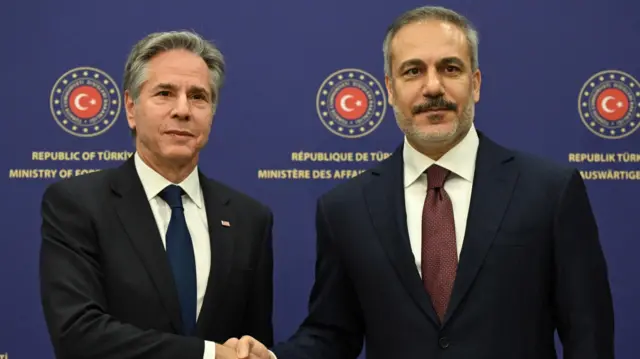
{"x":439,"y":254}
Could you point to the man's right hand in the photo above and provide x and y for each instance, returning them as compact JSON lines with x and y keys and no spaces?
{"x":225,"y":352}
{"x":245,"y":348}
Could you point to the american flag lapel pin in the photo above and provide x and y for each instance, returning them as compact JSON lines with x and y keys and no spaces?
{"x":225,"y":223}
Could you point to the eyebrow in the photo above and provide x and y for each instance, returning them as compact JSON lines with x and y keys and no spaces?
{"x":192,"y":89}
{"x":411,"y":62}
{"x":452,"y":61}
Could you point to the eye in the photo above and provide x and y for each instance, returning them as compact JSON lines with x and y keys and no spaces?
{"x":163,"y":93}
{"x":452,"y":69}
{"x":412,"y":71}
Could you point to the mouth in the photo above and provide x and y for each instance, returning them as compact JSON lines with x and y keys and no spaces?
{"x":441,"y":109}
{"x":179,"y":133}
{"x":440,"y":112}
{"x":433,"y":111}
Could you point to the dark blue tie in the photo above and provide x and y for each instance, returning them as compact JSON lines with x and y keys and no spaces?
{"x":181,"y":257}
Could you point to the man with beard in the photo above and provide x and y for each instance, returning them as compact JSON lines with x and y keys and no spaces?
{"x":454,"y":245}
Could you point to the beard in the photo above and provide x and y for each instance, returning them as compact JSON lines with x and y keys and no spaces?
{"x":431,"y":137}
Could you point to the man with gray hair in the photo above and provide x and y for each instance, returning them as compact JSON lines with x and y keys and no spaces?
{"x":152,"y":259}
{"x":454,"y":247}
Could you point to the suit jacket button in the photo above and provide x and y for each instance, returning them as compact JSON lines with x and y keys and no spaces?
{"x":444,"y":342}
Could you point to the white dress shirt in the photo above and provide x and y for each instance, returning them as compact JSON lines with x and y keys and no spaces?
{"x":196,"y":217}
{"x":461,"y":161}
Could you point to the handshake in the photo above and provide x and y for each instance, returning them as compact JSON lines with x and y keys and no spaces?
{"x":243,"y":348}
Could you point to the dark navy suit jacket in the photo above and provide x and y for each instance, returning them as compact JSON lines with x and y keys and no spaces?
{"x":531,"y":264}
{"x":106,"y":282}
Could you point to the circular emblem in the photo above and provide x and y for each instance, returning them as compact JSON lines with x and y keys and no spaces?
{"x":609,"y":104}
{"x":85,"y":102}
{"x":351,"y":103}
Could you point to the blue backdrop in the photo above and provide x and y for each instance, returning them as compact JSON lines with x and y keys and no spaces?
{"x":548,"y":68}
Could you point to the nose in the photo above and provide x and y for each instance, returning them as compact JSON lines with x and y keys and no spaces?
{"x":432,"y":86}
{"x":181,"y":108}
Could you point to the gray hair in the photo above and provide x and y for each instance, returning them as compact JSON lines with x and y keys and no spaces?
{"x":156,"y":43}
{"x":431,"y":13}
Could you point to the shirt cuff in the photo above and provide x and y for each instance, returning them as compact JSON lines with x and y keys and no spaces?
{"x":209,"y":350}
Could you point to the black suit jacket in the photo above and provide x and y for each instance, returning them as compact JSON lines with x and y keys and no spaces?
{"x":531,"y":263}
{"x":106,"y":284}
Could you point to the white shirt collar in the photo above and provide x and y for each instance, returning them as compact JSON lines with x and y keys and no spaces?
{"x":153,"y":183}
{"x":460,"y":160}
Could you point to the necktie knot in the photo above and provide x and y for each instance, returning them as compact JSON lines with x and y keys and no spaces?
{"x":436,"y":176}
{"x":172,"y":194}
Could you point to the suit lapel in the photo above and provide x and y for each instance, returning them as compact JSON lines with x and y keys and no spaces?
{"x":137,"y":219}
{"x":385,"y":198}
{"x":222,"y":245}
{"x":494,"y":180}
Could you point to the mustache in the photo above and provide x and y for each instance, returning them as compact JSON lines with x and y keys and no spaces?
{"x":436,"y":103}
